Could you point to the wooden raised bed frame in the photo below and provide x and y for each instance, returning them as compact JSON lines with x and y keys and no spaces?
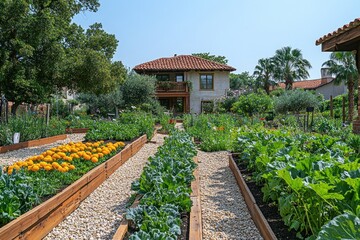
{"x":256,"y":214}
{"x":195,"y":223}
{"x":38,"y":222}
{"x":32,"y":143}
{"x":76,"y":130}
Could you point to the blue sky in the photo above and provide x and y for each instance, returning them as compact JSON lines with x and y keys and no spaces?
{"x":242,"y":31}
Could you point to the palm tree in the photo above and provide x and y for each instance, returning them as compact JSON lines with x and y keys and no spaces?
{"x":290,"y":66}
{"x":264,"y":73}
{"x":343,"y":65}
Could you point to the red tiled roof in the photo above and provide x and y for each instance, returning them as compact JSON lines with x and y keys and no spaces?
{"x":307,"y":84}
{"x":340,"y":30}
{"x":182,"y":63}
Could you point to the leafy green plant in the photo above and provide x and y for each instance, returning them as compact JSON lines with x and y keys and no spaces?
{"x":213,"y":130}
{"x":344,"y":226}
{"x":248,"y":105}
{"x":165,"y":186}
{"x":30,"y":128}
{"x":16,"y":196}
{"x":295,"y":101}
{"x":312,"y":177}
{"x":128,"y":127}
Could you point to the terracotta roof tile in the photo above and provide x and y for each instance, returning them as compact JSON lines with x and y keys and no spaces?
{"x":307,"y":84}
{"x":182,"y":63}
{"x":340,"y":30}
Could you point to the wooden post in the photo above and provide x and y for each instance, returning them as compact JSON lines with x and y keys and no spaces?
{"x":331,"y":107}
{"x":343,"y":109}
{"x":356,"y":123}
{"x":47,"y":114}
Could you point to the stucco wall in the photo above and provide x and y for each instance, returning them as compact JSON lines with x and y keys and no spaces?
{"x":221,"y":84}
{"x":332,"y":90}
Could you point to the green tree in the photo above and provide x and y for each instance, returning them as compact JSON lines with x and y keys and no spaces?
{"x":242,"y":81}
{"x":343,"y":65}
{"x":264,"y":72}
{"x":296,"y":101}
{"x":42,"y":51}
{"x":290,"y":66}
{"x":138,"y":89}
{"x":214,"y":58}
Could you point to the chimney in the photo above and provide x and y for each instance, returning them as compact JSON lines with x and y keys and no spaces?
{"x":326,"y":76}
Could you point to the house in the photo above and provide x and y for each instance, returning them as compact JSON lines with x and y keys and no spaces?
{"x":325,"y":85}
{"x":187,"y":83}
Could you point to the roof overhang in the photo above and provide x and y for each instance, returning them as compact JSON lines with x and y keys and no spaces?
{"x":346,"y":38}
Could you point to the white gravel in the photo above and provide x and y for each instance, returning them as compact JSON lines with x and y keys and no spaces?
{"x":224,"y":212}
{"x":100,"y":214}
{"x":11,"y":157}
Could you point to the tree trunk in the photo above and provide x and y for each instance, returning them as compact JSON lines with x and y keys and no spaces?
{"x":14,"y":107}
{"x":267,"y":87}
{"x":351,"y":99}
{"x":288,"y":84}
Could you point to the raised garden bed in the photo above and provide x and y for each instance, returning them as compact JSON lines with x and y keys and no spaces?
{"x":194,"y":224}
{"x":32,"y":143}
{"x":76,"y":130}
{"x":38,"y":222}
{"x":256,"y":214}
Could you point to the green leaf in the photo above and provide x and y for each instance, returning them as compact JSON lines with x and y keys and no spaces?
{"x":345,"y":226}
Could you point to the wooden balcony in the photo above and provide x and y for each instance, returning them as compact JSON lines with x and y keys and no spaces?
{"x":172,"y":89}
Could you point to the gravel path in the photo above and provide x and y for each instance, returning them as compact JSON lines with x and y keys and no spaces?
{"x":224,"y":212}
{"x":99,"y":215}
{"x":11,"y":157}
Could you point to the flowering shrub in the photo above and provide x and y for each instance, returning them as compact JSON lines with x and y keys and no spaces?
{"x":61,"y":158}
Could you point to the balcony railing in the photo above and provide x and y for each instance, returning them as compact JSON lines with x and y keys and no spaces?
{"x":172,"y":87}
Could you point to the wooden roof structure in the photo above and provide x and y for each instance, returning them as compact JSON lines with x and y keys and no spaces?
{"x":345,"y":38}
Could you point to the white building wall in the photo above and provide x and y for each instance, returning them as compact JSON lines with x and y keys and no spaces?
{"x":221,"y":84}
{"x":332,"y":90}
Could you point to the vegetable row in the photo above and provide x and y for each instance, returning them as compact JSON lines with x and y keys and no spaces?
{"x":314,"y":179}
{"x":165,"y":189}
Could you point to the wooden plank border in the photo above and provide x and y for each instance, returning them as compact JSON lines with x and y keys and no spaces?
{"x":256,"y":214}
{"x":32,"y":143}
{"x":77,"y":130}
{"x":38,"y":222}
{"x":195,"y":223}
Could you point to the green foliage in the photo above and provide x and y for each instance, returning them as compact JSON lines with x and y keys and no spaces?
{"x":343,"y":65}
{"x":16,"y":196}
{"x":290,"y":66}
{"x":42,"y":51}
{"x":344,"y":226}
{"x":295,"y":101}
{"x":313,"y":178}
{"x":248,"y":105}
{"x":213,"y":130}
{"x":264,"y":73}
{"x":128,"y":127}
{"x":59,"y":108}
{"x":242,"y":81}
{"x":155,"y":223}
{"x":138,"y":89}
{"x":214,"y":58}
{"x":165,"y":185}
{"x":30,"y":128}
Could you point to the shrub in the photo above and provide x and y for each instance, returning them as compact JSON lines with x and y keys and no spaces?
{"x":253,"y":103}
{"x":295,"y":101}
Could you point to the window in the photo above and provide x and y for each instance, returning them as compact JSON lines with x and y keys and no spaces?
{"x":206,"y":81}
{"x":179,"y":78}
{"x":163,"y":77}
